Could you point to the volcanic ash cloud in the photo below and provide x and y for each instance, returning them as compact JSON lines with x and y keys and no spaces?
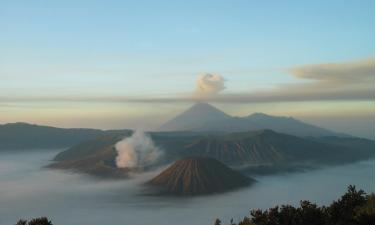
{"x":210,"y":84}
{"x":137,"y":150}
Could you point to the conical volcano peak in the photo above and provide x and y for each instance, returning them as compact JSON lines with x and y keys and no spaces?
{"x":203,"y":108}
{"x":197,"y":115}
{"x":203,"y":105}
{"x":197,"y":176}
{"x":204,"y":117}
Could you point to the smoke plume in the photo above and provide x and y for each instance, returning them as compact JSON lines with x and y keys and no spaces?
{"x":209,"y":84}
{"x":137,"y":150}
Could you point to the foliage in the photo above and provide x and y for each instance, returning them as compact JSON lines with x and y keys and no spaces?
{"x":353,"y":208}
{"x":21,"y":222}
{"x":366,"y":214}
{"x":35,"y":221}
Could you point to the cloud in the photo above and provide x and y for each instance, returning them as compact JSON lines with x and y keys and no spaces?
{"x":210,"y":84}
{"x":345,"y":81}
{"x":354,"y":71}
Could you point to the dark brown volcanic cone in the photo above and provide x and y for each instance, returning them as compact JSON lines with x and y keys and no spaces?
{"x":197,"y":176}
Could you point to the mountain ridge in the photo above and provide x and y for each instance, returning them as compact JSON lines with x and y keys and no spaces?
{"x":241,"y":149}
{"x":20,"y":135}
{"x":196,"y":119}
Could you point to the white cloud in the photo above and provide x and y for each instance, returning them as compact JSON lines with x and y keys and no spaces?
{"x":210,"y":84}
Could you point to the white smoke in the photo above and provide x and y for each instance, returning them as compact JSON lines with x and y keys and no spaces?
{"x":138,"y":150}
{"x":209,"y":84}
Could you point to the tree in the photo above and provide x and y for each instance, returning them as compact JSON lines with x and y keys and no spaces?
{"x":21,"y":222}
{"x":353,"y":208}
{"x":40,"y":221}
{"x":259,"y":217}
{"x":246,"y":221}
{"x":35,"y":221}
{"x":365,"y":215}
{"x":311,"y":214}
{"x":342,"y":211}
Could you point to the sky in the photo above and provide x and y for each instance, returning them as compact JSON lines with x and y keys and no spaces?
{"x":136,"y":64}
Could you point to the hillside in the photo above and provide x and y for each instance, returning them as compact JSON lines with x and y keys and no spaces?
{"x":197,"y":176}
{"x":259,"y":148}
{"x":269,"y":147}
{"x":28,"y":136}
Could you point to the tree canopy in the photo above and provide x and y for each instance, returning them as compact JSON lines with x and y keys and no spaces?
{"x":353,"y":208}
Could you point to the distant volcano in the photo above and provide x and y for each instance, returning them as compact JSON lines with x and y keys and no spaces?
{"x":197,"y":115}
{"x":198,"y":176}
{"x":205,"y":117}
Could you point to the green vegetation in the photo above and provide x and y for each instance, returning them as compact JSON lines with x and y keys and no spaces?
{"x":353,"y":208}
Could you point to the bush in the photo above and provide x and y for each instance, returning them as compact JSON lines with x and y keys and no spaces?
{"x":353,"y":208}
{"x":365,"y":215}
{"x":35,"y":221}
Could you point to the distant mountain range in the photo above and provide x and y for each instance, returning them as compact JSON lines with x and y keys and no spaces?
{"x":205,"y":117}
{"x":28,"y":136}
{"x":201,"y":117}
{"x":257,"y":148}
{"x":269,"y":147}
{"x":256,"y":144}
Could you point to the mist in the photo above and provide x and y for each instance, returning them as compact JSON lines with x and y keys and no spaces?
{"x":29,"y":190}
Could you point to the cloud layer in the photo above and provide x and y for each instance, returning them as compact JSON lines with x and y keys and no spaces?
{"x":354,"y":71}
{"x":346,"y":81}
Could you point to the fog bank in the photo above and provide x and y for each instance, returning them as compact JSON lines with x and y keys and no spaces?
{"x":27,"y":190}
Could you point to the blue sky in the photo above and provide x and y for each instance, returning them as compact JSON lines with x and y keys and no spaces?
{"x":157,"y":48}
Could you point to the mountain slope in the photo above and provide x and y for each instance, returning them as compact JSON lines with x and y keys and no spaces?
{"x":204,"y":117}
{"x":91,"y":147}
{"x":269,"y":147}
{"x":195,"y":116}
{"x":197,"y":176}
{"x":259,"y":148}
{"x":29,"y":136}
{"x":288,"y":125}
